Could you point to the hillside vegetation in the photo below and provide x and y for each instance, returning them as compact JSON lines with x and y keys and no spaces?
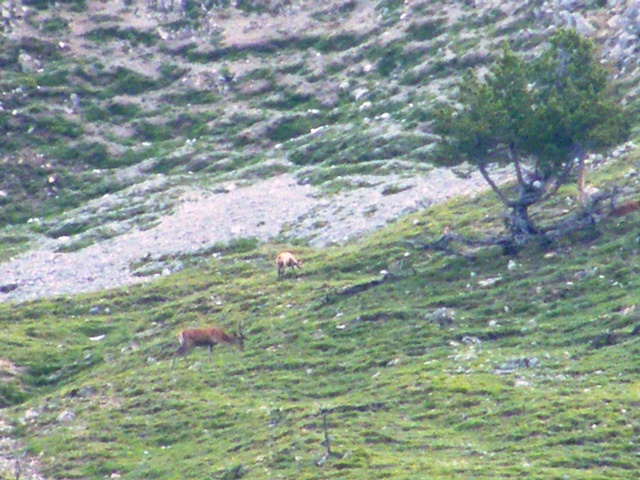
{"x":450,"y":367}
{"x":381,"y":359}
{"x":101,"y":95}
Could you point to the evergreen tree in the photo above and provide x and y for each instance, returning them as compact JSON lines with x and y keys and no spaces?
{"x":541,"y":115}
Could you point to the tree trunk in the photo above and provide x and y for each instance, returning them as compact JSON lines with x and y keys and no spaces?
{"x":520,"y":225}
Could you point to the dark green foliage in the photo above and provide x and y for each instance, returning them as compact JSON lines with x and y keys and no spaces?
{"x":192,"y":97}
{"x":152,"y":132}
{"x":292,"y":127}
{"x":288,"y":100}
{"x":355,"y":148}
{"x":55,"y":78}
{"x":427,"y":30}
{"x":544,"y":108}
{"x":132,"y":35}
{"x":126,"y":81}
{"x":390,"y":58}
{"x":53,"y":127}
{"x":94,"y":154}
{"x":55,"y":25}
{"x":11,"y":394}
{"x":116,"y":112}
{"x":546,"y":111}
{"x":76,"y":5}
{"x":122,"y":112}
{"x":338,"y":43}
{"x":262,"y":6}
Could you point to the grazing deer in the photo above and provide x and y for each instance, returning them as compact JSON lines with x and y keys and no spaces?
{"x":286,"y":259}
{"x":207,"y":337}
{"x":625,"y":208}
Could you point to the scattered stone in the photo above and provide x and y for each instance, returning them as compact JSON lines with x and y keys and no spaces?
{"x":516,"y":364}
{"x":471,"y":340}
{"x":84,"y":392}
{"x":489,"y":282}
{"x":442,"y":316}
{"x":66,"y":416}
{"x":30,"y":415}
{"x":9,"y":287}
{"x":28,"y":64}
{"x":393,"y":362}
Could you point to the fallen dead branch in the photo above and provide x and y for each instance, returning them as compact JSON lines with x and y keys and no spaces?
{"x":360,"y":287}
{"x":587,"y":217}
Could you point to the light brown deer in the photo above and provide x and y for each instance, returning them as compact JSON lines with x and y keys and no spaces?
{"x":286,"y":259}
{"x":207,"y":337}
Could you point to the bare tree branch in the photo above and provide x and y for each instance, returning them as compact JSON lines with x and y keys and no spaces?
{"x":483,"y":170}
{"x":516,"y":162}
{"x":584,"y":218}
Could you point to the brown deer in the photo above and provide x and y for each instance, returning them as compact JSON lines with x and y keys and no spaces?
{"x":207,"y":337}
{"x":625,"y":208}
{"x":286,"y":259}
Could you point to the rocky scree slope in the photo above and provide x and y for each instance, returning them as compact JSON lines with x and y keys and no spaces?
{"x":131,"y":127}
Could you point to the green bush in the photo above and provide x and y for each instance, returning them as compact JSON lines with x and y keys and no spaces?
{"x":11,"y":394}
{"x":132,"y":35}
{"x":92,"y":154}
{"x":50,"y":127}
{"x":426,"y":30}
{"x":292,"y":127}
{"x":76,"y":5}
{"x":55,"y":25}
{"x":126,"y":81}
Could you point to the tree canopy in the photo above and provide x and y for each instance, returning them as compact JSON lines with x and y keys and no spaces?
{"x":540,"y":114}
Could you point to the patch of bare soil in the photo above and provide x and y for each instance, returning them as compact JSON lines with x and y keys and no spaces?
{"x":263,"y":210}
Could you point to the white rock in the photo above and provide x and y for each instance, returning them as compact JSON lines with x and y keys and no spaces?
{"x":66,"y":416}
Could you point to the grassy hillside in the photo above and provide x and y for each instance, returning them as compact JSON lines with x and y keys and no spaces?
{"x":451,"y":368}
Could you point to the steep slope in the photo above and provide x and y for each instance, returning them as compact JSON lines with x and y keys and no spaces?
{"x":100,"y":95}
{"x":448,"y":368}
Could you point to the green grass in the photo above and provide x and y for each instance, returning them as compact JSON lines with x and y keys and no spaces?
{"x":404,"y":396}
{"x":533,"y":376}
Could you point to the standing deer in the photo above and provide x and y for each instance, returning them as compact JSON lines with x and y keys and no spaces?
{"x":207,"y":337}
{"x":286,"y":259}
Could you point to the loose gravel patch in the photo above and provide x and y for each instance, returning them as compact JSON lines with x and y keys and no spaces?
{"x":203,"y":218}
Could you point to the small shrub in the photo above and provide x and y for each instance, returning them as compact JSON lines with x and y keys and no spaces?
{"x":125,"y":81}
{"x":11,"y":394}
{"x":55,"y":78}
{"x":339,"y":43}
{"x":152,"y":132}
{"x":57,"y":126}
{"x":289,"y":128}
{"x":134,"y":36}
{"x":55,"y":25}
{"x":426,"y":30}
{"x":262,"y":6}
{"x":76,"y":5}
